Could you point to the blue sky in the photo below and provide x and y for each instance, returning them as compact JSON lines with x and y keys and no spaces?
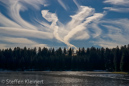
{"x":64,"y":23}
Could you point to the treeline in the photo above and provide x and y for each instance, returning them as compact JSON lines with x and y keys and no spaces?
{"x":116,"y":59}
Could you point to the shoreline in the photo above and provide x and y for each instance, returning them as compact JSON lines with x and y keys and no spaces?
{"x":67,"y":71}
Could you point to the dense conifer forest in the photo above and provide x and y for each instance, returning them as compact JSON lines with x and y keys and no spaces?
{"x":115,"y":59}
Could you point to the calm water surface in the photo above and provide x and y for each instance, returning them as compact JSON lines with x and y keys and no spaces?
{"x":64,"y":78}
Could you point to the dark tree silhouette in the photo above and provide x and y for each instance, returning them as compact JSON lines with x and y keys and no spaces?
{"x":116,"y":59}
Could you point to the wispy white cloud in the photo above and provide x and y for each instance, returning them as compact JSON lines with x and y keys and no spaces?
{"x":106,"y":43}
{"x":78,"y":23}
{"x":15,"y":14}
{"x":82,"y":35}
{"x":63,"y":5}
{"x":75,"y":1}
{"x":120,"y":23}
{"x":53,"y":28}
{"x":117,"y":9}
{"x":22,"y":42}
{"x":16,"y":6}
{"x":7,"y":22}
{"x":36,"y":3}
{"x":116,"y":33}
{"x":51,"y":17}
{"x":118,"y":5}
{"x":17,"y":40}
{"x":118,"y":2}
{"x":15,"y":26}
{"x":32,"y":3}
{"x":96,"y":30}
{"x":21,"y":32}
{"x":3,"y":46}
{"x":84,"y":24}
{"x":80,"y":16}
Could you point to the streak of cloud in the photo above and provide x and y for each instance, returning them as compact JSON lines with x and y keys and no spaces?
{"x":62,"y":4}
{"x":75,"y":1}
{"x":118,"y":2}
{"x":21,"y":41}
{"x":17,"y":40}
{"x":7,"y":22}
{"x":115,"y":9}
{"x":21,"y":32}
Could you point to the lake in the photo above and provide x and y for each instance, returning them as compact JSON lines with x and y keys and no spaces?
{"x":64,"y":78}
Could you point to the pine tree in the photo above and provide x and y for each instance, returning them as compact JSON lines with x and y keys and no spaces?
{"x":122,"y":62}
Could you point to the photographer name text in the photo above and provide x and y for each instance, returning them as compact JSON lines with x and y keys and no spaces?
{"x":19,"y":81}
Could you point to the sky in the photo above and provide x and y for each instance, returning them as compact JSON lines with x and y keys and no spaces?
{"x":64,"y":23}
